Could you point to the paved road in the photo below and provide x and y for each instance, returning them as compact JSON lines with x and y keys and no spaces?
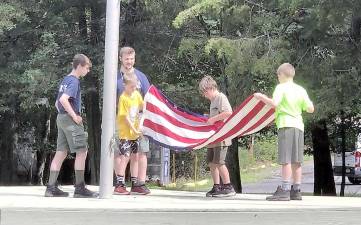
{"x":300,"y":217}
{"x":269,"y":184}
{"x":27,"y":206}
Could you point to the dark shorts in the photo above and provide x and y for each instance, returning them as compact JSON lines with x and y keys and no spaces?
{"x":290,"y":145}
{"x":71,"y":136}
{"x":127,"y":147}
{"x":217,"y":155}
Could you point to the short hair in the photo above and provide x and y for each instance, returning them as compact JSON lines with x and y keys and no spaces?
{"x":207,"y":83}
{"x":81,"y":59}
{"x":126,"y":50}
{"x":287,"y":69}
{"x":130,"y":77}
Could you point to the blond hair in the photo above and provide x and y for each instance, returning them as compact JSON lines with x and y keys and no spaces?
{"x":129,"y":78}
{"x":126,"y":50}
{"x":81,"y":59}
{"x":287,"y":69}
{"x":207,"y":83}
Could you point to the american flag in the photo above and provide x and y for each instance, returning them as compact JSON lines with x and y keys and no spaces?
{"x":176,"y":128}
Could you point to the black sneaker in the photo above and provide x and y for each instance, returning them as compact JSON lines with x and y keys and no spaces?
{"x":295,"y":194}
{"x":227,"y":190}
{"x":215,"y":188}
{"x":279,"y":195}
{"x":54,"y":191}
{"x":82,"y":192}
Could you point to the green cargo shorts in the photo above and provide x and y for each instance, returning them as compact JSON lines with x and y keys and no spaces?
{"x":71,"y":136}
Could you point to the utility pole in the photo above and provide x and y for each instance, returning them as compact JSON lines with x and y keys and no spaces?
{"x":109,"y":97}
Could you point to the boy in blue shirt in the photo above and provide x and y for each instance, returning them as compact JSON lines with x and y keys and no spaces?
{"x":71,"y":134}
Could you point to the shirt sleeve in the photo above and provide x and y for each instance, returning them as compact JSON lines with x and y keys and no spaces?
{"x":120,"y":85}
{"x":140,"y":101}
{"x":123,"y":109}
{"x":225,"y":105}
{"x":145,"y":84}
{"x":306,"y":101}
{"x":277,"y":95}
{"x":72,"y":89}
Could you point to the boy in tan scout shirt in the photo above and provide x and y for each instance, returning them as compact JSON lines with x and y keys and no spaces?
{"x":220,"y":109}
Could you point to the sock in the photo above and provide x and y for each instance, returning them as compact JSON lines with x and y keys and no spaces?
{"x":286,"y":185}
{"x":140,"y":183}
{"x":53,"y":177}
{"x":296,"y":187}
{"x":120,"y":180}
{"x":133,"y":180}
{"x":79,"y":177}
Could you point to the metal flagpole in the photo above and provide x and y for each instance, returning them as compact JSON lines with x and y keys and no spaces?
{"x":109,"y":97}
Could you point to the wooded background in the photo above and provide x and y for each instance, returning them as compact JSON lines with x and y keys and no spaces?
{"x":239,"y":42}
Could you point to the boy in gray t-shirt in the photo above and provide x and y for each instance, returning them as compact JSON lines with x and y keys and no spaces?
{"x":220,"y":109}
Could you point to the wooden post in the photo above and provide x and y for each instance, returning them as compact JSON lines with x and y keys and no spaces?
{"x":195,"y":169}
{"x":173,"y":174}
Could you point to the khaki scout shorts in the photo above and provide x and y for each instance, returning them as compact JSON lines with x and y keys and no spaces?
{"x":217,"y":155}
{"x":71,"y":136}
{"x":290,"y":145}
{"x":143,"y":144}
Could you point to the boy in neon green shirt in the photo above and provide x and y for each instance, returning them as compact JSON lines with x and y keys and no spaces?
{"x":289,"y":101}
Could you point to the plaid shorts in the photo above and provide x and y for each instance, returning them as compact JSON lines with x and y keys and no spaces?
{"x":127,"y":147}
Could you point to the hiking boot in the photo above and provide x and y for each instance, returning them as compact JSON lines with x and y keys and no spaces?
{"x":227,"y":190}
{"x":121,"y":190}
{"x":54,"y":191}
{"x":140,"y":190}
{"x":215,"y":188}
{"x":82,"y":192}
{"x":295,"y":194}
{"x":279,"y":195}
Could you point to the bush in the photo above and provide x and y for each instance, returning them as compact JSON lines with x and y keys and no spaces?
{"x":265,"y":149}
{"x":184,"y":164}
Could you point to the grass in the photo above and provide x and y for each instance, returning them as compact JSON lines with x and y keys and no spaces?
{"x":185,"y":185}
{"x":253,"y":167}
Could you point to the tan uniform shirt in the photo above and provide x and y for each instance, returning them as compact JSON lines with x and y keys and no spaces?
{"x":218,"y":105}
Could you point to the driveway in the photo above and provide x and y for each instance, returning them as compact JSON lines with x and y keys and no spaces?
{"x":269,"y":184}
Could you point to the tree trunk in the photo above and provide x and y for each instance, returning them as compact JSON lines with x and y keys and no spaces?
{"x":91,"y":99}
{"x":8,"y":129}
{"x":42,"y":154}
{"x":251,"y":145}
{"x":232,"y":162}
{"x":323,"y":173}
{"x":94,"y":130}
{"x":7,"y":148}
{"x":355,"y":28}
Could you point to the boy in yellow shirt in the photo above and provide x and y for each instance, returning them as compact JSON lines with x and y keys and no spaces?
{"x":128,"y":118}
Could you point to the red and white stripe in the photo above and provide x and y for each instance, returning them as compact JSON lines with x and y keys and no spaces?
{"x":176,"y":128}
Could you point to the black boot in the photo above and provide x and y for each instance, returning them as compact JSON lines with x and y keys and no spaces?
{"x":82,"y":192}
{"x":54,"y":191}
{"x":280,"y":195}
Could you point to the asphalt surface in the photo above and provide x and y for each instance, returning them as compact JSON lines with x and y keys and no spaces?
{"x":26,"y":205}
{"x":269,"y":185}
